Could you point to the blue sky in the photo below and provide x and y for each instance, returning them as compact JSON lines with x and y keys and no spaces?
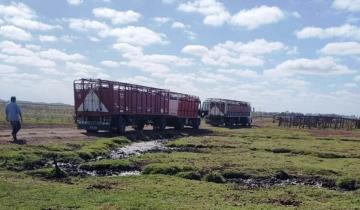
{"x":280,"y":55}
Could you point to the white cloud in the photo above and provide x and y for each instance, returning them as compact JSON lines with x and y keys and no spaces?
{"x":46,"y":38}
{"x":18,"y":55}
{"x":177,"y":24}
{"x":93,"y":39}
{"x":86,"y":25}
{"x":161,"y":20}
{"x":240,"y":73}
{"x":197,"y":50}
{"x":235,"y":53}
{"x":128,"y":50}
{"x":68,"y":38}
{"x":85,"y":70}
{"x":16,"y":10}
{"x":258,"y":16}
{"x":303,"y":66}
{"x":141,"y":80}
{"x":214,"y":12}
{"x":34,"y":61}
{"x":350,"y":85}
{"x":117,"y":17}
{"x":110,"y":63}
{"x":357,"y":78}
{"x":54,"y":54}
{"x":21,"y":15}
{"x":6,"y":69}
{"x":136,"y":35}
{"x":75,"y":2}
{"x":33,"y":47}
{"x":30,"y":24}
{"x":341,"y":48}
{"x":350,"y":5}
{"x":153,"y":63}
{"x":296,"y":14}
{"x":11,"y":48}
{"x":344,"y":31}
{"x":15,"y":33}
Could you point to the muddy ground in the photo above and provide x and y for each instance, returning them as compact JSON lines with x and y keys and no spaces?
{"x":35,"y":136}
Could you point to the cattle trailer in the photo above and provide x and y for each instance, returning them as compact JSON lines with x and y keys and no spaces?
{"x":219,"y":112}
{"x":111,"y":106}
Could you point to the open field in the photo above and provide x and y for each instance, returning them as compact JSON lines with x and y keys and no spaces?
{"x":264,"y":167}
{"x":44,"y":115}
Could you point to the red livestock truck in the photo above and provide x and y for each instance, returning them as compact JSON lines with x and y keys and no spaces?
{"x":226,"y":112}
{"x":110,"y":105}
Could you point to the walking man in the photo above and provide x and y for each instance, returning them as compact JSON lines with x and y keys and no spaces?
{"x":13,"y":115}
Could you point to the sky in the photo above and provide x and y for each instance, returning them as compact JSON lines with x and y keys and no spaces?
{"x":280,"y":55}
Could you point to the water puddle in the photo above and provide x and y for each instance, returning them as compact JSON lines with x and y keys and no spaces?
{"x":138,"y":148}
{"x":134,"y":149}
{"x":268,"y":182}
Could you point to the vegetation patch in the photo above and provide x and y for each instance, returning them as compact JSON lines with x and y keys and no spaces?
{"x":48,"y":173}
{"x":115,"y":165}
{"x":166,"y":169}
{"x":233,"y":174}
{"x":348,"y":184}
{"x":19,"y":158}
{"x":194,"y":175}
{"x":288,"y":199}
{"x":279,"y":150}
{"x":100,"y":147}
{"x":215,"y":177}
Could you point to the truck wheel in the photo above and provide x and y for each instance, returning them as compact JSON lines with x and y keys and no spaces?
{"x":196,"y":124}
{"x":160,"y":124}
{"x":179,"y":124}
{"x":140,"y":126}
{"x":121,"y":126}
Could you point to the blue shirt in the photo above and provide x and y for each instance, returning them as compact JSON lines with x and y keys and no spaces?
{"x":12,"y":112}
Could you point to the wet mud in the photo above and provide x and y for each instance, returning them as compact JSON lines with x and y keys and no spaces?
{"x":267,"y":182}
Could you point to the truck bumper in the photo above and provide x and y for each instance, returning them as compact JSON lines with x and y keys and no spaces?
{"x":92,"y":126}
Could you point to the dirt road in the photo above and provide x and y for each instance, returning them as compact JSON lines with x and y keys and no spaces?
{"x":47,"y":135}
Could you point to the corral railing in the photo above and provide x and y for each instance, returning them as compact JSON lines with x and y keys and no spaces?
{"x":318,"y":121}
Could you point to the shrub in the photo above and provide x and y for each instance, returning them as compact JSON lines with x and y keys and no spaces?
{"x":194,"y":175}
{"x":161,"y":169}
{"x":214,"y":177}
{"x":280,"y":150}
{"x":108,"y":165}
{"x":231,"y":174}
{"x":348,"y":184}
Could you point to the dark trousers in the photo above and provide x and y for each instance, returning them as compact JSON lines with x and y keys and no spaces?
{"x":16,"y":126}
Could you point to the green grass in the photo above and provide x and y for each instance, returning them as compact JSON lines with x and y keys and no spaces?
{"x":161,"y":192}
{"x":194,"y":177}
{"x":19,"y":158}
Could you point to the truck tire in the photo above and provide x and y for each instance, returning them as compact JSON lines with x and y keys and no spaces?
{"x":139,"y":126}
{"x":121,"y":126}
{"x":196,"y":124}
{"x":159,"y":124}
{"x":179,"y":124}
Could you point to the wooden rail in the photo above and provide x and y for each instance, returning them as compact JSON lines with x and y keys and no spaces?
{"x":319,"y":121}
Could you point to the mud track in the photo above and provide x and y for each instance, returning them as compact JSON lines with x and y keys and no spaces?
{"x":35,"y":136}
